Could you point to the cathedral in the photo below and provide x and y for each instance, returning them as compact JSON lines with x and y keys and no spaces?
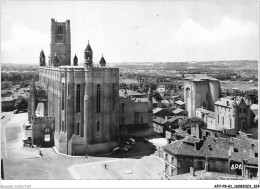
{"x":82,"y":99}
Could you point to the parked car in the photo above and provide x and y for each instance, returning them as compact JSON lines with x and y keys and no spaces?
{"x":132,"y":140}
{"x":124,"y":149}
{"x":16,"y":111}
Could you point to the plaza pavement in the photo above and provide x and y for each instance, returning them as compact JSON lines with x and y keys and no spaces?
{"x":25,"y":163}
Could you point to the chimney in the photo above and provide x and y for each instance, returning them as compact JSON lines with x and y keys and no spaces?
{"x":192,"y":171}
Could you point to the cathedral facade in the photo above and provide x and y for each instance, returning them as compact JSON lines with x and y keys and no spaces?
{"x":82,"y":99}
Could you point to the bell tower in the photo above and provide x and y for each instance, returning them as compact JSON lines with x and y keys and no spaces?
{"x":88,"y":56}
{"x":60,"y":42}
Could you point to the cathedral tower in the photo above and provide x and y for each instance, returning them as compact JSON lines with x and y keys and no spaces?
{"x":60,"y":42}
{"x":42,"y":59}
{"x":75,"y":60}
{"x":88,"y":56}
{"x":102,"y":62}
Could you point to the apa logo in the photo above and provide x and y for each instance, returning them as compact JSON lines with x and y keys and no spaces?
{"x":236,"y":166}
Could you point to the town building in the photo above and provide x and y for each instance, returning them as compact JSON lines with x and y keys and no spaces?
{"x":230,"y":114}
{"x":200,"y":91}
{"x":83,"y":100}
{"x":135,"y":114}
{"x":7,"y":104}
{"x":238,"y":156}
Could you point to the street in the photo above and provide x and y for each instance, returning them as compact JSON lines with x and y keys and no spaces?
{"x":25,"y":163}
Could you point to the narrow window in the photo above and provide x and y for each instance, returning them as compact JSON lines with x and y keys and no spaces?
{"x":142,"y":119}
{"x":63,"y":96}
{"x":113,"y":126}
{"x":123,"y":108}
{"x":98,"y":98}
{"x":98,"y":126}
{"x":240,"y":110}
{"x":77,"y":129}
{"x":166,"y":168}
{"x":256,"y":155}
{"x":60,"y":30}
{"x":78,"y":99}
{"x":244,"y":110}
{"x":113,"y":96}
{"x":223,"y":120}
{"x":218,"y":118}
{"x":230,"y":123}
{"x":123,"y":121}
{"x":166,"y":157}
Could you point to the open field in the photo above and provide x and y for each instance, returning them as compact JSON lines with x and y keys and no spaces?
{"x":242,"y":85}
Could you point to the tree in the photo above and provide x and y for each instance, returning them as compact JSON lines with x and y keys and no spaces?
{"x":157,"y":96}
{"x":21,"y":103}
{"x":40,"y":95}
{"x":149,"y":84}
{"x":252,"y":95}
{"x":192,"y":122}
{"x":122,"y":86}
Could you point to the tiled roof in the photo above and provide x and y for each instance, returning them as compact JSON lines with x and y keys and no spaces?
{"x":175,"y":118}
{"x":212,"y":114}
{"x":156,"y":110}
{"x":177,"y":110}
{"x":244,"y":146}
{"x":179,"y":102}
{"x":159,"y":120}
{"x":192,"y":140}
{"x":204,"y":110}
{"x":216,"y":148}
{"x":227,"y":102}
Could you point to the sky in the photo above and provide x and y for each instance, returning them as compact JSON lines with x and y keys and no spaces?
{"x":134,"y":31}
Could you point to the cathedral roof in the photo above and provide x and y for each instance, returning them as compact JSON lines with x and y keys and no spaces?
{"x":42,"y":54}
{"x":102,"y":60}
{"x":55,"y":59}
{"x":88,"y":48}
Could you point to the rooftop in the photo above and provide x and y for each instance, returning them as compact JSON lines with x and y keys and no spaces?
{"x":177,"y":110}
{"x":179,"y":102}
{"x":215,"y":148}
{"x":229,"y":102}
